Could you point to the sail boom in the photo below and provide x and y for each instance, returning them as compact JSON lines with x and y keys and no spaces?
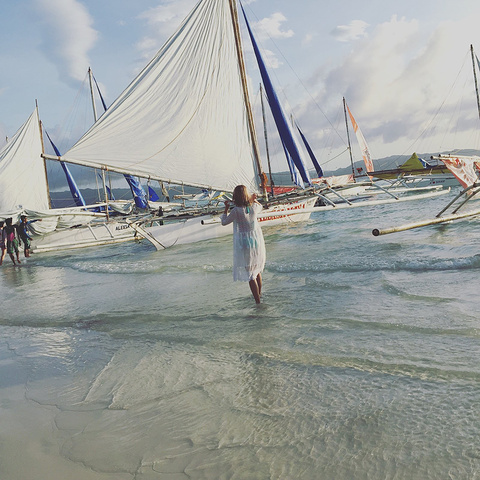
{"x":135,"y":173}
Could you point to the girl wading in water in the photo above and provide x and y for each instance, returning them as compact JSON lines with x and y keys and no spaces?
{"x":248,"y":244}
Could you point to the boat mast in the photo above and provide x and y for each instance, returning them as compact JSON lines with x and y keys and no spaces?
{"x":241,"y":64}
{"x":348,"y":138}
{"x":40,"y":127}
{"x":104,"y":180}
{"x":266,"y":140}
{"x":90,"y":80}
{"x":475,"y":77}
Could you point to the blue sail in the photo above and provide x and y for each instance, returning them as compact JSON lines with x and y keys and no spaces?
{"x":317,"y":166}
{"x":281,"y":122}
{"x":72,"y":185}
{"x":138,"y":192}
{"x":294,"y":175}
{"x":152,"y":195}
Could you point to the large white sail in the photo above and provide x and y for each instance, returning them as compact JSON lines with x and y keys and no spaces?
{"x":184,"y":118}
{"x":23,"y":183}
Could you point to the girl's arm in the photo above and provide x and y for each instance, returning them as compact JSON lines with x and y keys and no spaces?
{"x":227,"y":218}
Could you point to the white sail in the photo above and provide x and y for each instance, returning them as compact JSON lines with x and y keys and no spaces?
{"x":23,"y":183}
{"x":184,"y":118}
{"x":367,"y":157}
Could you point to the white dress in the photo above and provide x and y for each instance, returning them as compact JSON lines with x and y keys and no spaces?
{"x":248,"y":245}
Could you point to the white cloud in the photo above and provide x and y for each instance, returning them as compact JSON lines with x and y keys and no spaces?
{"x":270,"y":59}
{"x":69,"y":36}
{"x":346,"y":33}
{"x":396,"y":82}
{"x":271,"y":27}
{"x":162,"y":21}
{"x":308,"y":39}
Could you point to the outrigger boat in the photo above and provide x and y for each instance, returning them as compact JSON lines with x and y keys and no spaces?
{"x":353,"y":191}
{"x":465,"y":170}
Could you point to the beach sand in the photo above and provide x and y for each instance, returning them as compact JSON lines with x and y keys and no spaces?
{"x":30,"y":442}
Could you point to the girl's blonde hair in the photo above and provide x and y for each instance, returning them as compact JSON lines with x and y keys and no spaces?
{"x":241,"y":197}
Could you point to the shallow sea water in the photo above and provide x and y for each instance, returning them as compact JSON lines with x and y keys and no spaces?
{"x":362,"y":362}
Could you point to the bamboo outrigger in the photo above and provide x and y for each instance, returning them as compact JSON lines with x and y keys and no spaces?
{"x":472,"y":190}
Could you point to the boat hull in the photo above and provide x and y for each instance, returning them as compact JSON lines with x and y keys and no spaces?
{"x":166,"y":233}
{"x":207,"y":227}
{"x":100,"y":233}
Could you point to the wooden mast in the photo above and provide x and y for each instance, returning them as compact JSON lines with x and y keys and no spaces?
{"x":348,"y":137}
{"x":40,"y":127}
{"x":104,"y":180}
{"x":91,"y":94}
{"x":241,"y":64}
{"x":475,"y":77}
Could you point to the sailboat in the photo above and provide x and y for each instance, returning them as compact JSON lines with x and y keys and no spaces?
{"x":360,"y":189}
{"x":24,"y":189}
{"x":186,"y":120}
{"x":419,"y":172}
{"x":466,"y":170}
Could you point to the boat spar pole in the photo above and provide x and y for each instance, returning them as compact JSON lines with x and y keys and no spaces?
{"x":348,"y":138}
{"x":104,"y":180}
{"x":377,"y":232}
{"x":40,"y":126}
{"x":475,"y":78}
{"x":251,"y":124}
{"x":91,"y":94}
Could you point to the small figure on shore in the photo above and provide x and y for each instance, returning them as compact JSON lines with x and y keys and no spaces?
{"x":12,"y":240}
{"x":3,"y":242}
{"x":24,"y":235}
{"x":249,"y":253}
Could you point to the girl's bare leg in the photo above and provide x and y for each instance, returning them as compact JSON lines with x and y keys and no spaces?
{"x":259,"y":283}
{"x":254,"y":288}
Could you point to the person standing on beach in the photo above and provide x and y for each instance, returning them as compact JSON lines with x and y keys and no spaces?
{"x":24,"y":235}
{"x":249,"y":253}
{"x":12,"y":240}
{"x":3,"y":242}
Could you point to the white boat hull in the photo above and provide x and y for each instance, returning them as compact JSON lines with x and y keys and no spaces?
{"x":99,"y":233}
{"x":444,"y":180}
{"x":207,"y":227}
{"x":384,"y":201}
{"x":166,"y":233}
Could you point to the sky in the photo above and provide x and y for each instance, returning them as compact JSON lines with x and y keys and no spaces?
{"x":403,"y":67}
